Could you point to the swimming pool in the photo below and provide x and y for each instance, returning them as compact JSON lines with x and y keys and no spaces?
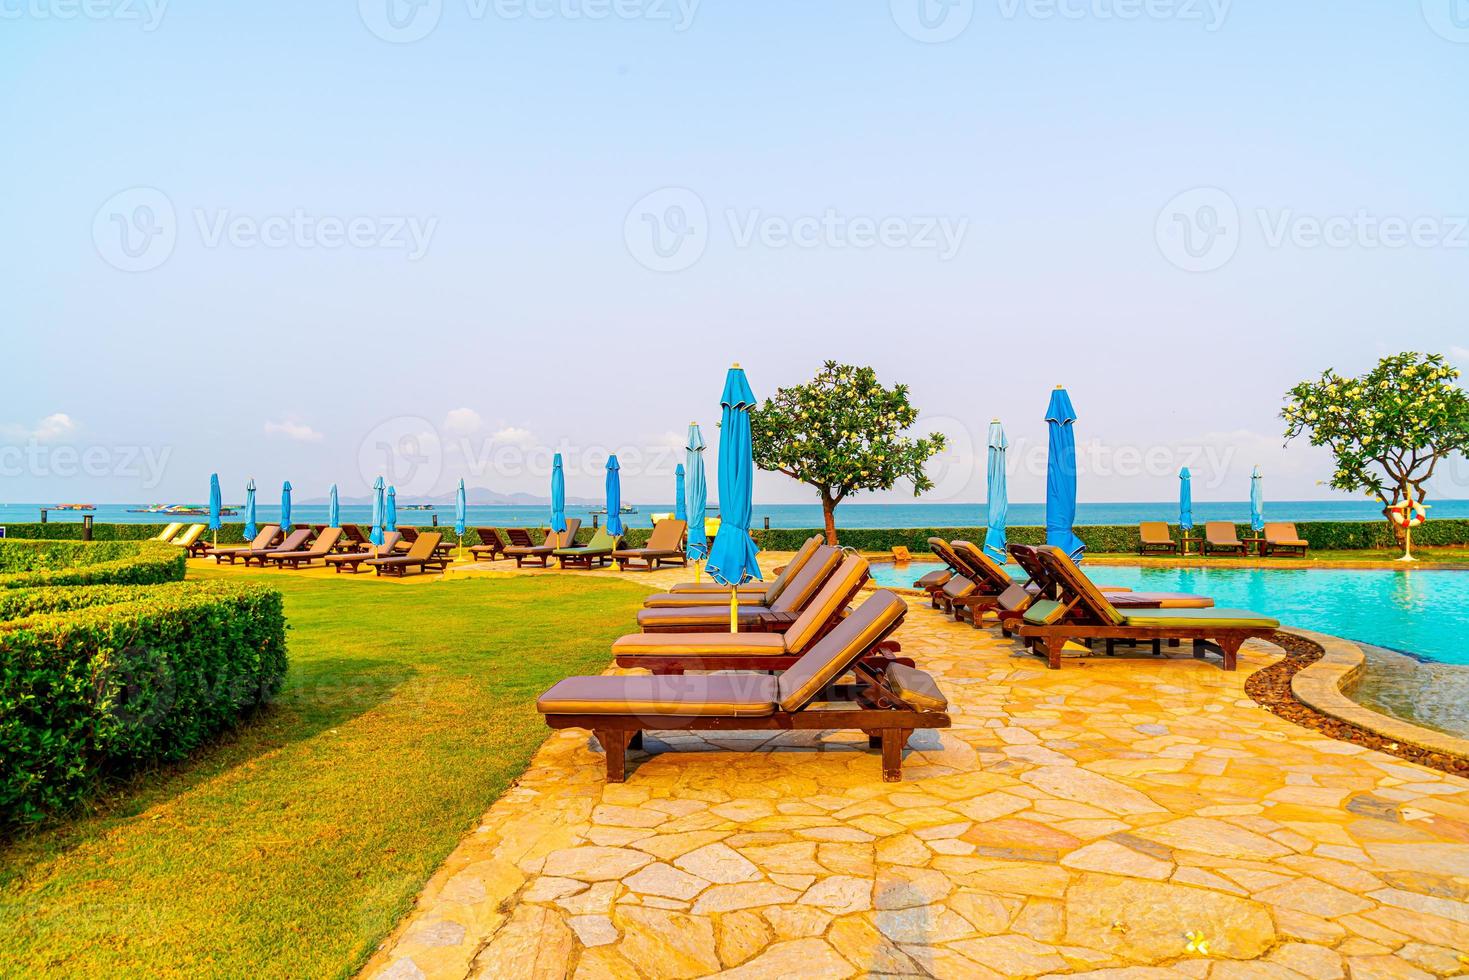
{"x":1424,"y":612}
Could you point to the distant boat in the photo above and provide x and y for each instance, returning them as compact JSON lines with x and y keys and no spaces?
{"x":625,"y":509}
{"x":74,"y":507}
{"x":416,"y":506}
{"x":179,"y":510}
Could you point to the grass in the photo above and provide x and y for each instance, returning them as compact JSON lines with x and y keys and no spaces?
{"x":292,"y":847}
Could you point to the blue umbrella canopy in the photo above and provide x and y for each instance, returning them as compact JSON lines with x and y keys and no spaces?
{"x":379,"y":511}
{"x":250,"y":529}
{"x":997,"y":506}
{"x":461,"y":506}
{"x":391,"y":521}
{"x":732,"y":558}
{"x":614,"y":495}
{"x":216,"y":503}
{"x":334,"y":510}
{"x":1061,"y":475}
{"x":680,"y":506}
{"x":558,"y":495}
{"x":1185,"y":500}
{"x":286,"y":506}
{"x":1257,"y":501}
{"x":696,"y":494}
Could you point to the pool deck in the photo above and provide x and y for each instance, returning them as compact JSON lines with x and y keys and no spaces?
{"x":1119,"y":818}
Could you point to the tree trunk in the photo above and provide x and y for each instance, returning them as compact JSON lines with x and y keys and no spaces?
{"x":828,"y":511}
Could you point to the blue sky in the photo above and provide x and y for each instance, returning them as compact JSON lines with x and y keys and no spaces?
{"x":267,"y":239}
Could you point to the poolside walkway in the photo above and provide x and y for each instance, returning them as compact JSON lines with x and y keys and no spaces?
{"x":1114,"y":818}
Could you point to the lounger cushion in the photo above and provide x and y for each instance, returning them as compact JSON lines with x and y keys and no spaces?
{"x":1044,"y":612}
{"x":959,"y":587}
{"x":700,"y":644}
{"x":840,"y":588}
{"x":916,"y":687}
{"x":739,"y":695}
{"x":707,"y":589}
{"x":803,"y":586}
{"x":674,"y":600}
{"x":834,"y":654}
{"x":934,"y":580}
{"x":714,"y":617}
{"x":1158,"y":600}
{"x":1201,"y":618}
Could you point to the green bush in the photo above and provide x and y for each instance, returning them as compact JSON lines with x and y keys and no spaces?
{"x":100,"y":680}
{"x":29,"y":564}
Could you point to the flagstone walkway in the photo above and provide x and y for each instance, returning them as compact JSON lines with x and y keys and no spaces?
{"x":1116,"y":818}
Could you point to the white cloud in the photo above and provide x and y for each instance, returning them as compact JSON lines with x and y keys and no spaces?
{"x":515,"y":436}
{"x":1459,"y":354}
{"x":463,"y":422}
{"x":58,"y":425}
{"x":293,"y":430}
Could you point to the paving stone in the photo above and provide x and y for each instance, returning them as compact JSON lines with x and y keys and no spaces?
{"x":664,"y":943}
{"x":1113,"y":858}
{"x":806,"y":958}
{"x":669,"y":882}
{"x":719,"y":864}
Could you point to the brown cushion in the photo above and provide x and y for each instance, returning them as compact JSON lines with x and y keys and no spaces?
{"x":700,"y":644}
{"x":934,"y":580}
{"x":835,"y":653}
{"x":708,"y":589}
{"x":959,"y":587}
{"x":805,"y":583}
{"x":916,"y":687}
{"x":713,"y":617}
{"x":672,"y":600}
{"x":738,"y":695}
{"x":840,"y":589}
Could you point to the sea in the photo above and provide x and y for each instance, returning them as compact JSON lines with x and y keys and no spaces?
{"x":851,"y":515}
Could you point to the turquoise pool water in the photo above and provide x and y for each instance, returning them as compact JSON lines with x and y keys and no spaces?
{"x":1418,"y":611}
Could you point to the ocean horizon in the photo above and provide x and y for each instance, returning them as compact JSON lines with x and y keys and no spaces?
{"x":854,"y":515}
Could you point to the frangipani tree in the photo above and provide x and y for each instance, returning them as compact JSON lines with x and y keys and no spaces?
{"x":1387,"y":429}
{"x":842,"y":432}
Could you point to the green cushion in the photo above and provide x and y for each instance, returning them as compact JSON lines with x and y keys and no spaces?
{"x":1044,"y":613}
{"x":602,"y":543}
{"x":1206,"y":618}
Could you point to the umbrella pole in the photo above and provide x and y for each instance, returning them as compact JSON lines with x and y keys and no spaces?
{"x":734,"y":608}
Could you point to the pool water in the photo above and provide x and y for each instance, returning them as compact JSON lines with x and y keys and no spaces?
{"x":1423,"y":612}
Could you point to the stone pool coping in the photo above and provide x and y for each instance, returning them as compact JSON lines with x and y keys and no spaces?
{"x":1323,"y":686}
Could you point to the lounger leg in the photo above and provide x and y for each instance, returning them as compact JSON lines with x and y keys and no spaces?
{"x":1230,"y":648}
{"x":1199,"y":649}
{"x":614,"y":747}
{"x":636,"y":742}
{"x":893,"y":740}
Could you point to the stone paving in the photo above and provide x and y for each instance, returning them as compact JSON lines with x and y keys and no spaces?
{"x":1116,"y":818}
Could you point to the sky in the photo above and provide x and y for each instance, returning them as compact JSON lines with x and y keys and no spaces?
{"x":446,"y":238}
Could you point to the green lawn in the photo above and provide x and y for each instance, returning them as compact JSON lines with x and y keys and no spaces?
{"x":293,"y":847}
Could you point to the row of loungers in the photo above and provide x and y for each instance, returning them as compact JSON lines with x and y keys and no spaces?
{"x":802,"y":660}
{"x":1221,"y":537}
{"x":664,"y":547}
{"x":299,"y":550}
{"x":1060,"y":604}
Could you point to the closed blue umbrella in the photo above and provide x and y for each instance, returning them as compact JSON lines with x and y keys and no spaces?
{"x":250,"y":529}
{"x":461,"y":508}
{"x":614,"y":496}
{"x":1061,"y":476}
{"x":379,"y":511}
{"x":391,"y":521}
{"x":216,"y":503}
{"x":1257,"y":501}
{"x":334,"y":510}
{"x":558,"y":495}
{"x":1185,"y":500}
{"x":286,"y":506}
{"x":680,"y":507}
{"x":696,"y":493}
{"x":733,"y":556}
{"x":997,"y":505}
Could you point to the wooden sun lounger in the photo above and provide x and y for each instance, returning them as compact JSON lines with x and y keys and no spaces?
{"x":541,"y":553}
{"x":1153,"y":537}
{"x":491,"y":546}
{"x":773,"y":643}
{"x":1084,"y":614}
{"x":324,"y":545}
{"x":713,"y":615}
{"x":887,"y":704}
{"x":420,"y":556}
{"x":1221,"y":536}
{"x":352,"y":560}
{"x":169,"y":530}
{"x":294,"y":541}
{"x":264,"y":541}
{"x":191,"y":540}
{"x":356,"y":537}
{"x":664,"y":547}
{"x":707,"y":587}
{"x":597,"y":551}
{"x":1283,"y":537}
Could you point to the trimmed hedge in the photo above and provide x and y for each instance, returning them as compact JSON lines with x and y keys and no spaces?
{"x":99,"y":681}
{"x":30,"y":564}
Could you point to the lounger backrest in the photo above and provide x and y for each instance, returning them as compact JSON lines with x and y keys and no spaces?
{"x":834,"y":654}
{"x":189,"y":536}
{"x":601,"y":541}
{"x":1281,"y":531}
{"x":520,"y":537}
{"x":1027,"y":559}
{"x":410,"y":534}
{"x":667,"y":535}
{"x":568,"y":539}
{"x":169,"y":530}
{"x":793,"y":568}
{"x":805,"y":583}
{"x":265,"y":537}
{"x":1075,"y":585}
{"x":326,"y":541}
{"x":295,"y":539}
{"x":945,"y":551}
{"x":1221,"y":532}
{"x":489,"y":537}
{"x":840,"y":588}
{"x":354,"y":533}
{"x":390,"y":541}
{"x":1154,"y":532}
{"x":424,"y":545}
{"x":987,"y":568}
